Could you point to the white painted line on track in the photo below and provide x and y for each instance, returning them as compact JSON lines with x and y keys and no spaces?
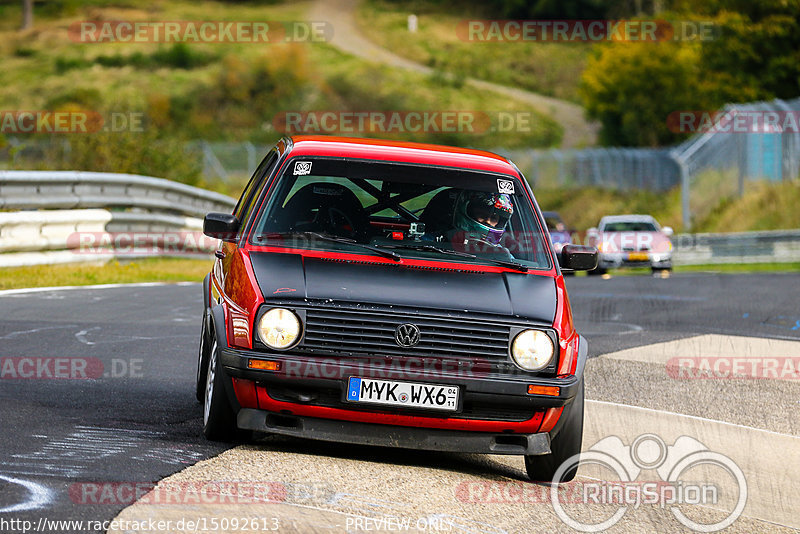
{"x":27,"y":290}
{"x":703,"y":419}
{"x":38,"y":495}
{"x":770,"y":461}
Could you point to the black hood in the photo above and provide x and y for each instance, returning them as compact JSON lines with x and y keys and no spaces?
{"x":524,"y":295}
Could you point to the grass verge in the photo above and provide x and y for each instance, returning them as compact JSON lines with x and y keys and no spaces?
{"x":145,"y":270}
{"x":552,"y":69}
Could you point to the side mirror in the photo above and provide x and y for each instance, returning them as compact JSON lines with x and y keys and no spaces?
{"x":222,"y":226}
{"x":668,"y":231}
{"x":578,"y":258}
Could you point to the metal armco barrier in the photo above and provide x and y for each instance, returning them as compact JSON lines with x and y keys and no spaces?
{"x":95,"y":235}
{"x":75,"y":190}
{"x":62,"y":220}
{"x":779,"y":246}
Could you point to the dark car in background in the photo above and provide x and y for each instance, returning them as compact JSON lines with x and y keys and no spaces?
{"x":560,"y":234}
{"x":393,"y":294}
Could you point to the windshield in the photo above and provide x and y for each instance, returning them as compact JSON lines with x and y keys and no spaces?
{"x":630,"y":226}
{"x":412,"y":211}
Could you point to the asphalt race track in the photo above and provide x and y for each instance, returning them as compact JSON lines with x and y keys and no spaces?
{"x":83,"y":441}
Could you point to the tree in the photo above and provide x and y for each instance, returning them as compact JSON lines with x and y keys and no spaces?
{"x":631,"y":88}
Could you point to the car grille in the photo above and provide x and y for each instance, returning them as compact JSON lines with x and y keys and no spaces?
{"x":354,"y":330}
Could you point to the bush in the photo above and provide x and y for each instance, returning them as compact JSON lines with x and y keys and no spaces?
{"x":631,"y":88}
{"x":136,"y":153}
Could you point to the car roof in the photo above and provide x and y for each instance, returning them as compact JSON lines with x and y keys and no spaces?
{"x":627,"y":218}
{"x":401,"y":151}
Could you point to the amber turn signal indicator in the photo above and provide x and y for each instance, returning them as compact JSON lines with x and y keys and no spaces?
{"x":263,"y":365}
{"x":543,"y":390}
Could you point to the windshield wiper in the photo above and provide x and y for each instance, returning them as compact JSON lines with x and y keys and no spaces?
{"x":505,"y":263}
{"x":332,"y":239}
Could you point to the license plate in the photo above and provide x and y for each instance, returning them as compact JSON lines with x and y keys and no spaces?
{"x":638,"y":256}
{"x":406,"y":394}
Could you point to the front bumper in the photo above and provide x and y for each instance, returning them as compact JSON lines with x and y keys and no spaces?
{"x":616,"y":260}
{"x":394,"y":436}
{"x":315,"y":388}
{"x":332,"y":373}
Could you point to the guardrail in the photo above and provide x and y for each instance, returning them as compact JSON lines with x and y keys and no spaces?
{"x":76,"y":190}
{"x":780,"y":246}
{"x":95,"y":235}
{"x":63,"y":222}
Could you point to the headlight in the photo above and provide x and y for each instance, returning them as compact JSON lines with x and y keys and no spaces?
{"x":279,"y":328}
{"x":532,"y":350}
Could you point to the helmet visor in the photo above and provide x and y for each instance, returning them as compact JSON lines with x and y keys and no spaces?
{"x":491,"y":216}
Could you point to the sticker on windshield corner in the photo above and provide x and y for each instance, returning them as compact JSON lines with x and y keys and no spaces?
{"x":304,"y":167}
{"x":503,"y":186}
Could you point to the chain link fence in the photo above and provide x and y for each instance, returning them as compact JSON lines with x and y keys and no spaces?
{"x":721,"y":162}
{"x":607,"y":168}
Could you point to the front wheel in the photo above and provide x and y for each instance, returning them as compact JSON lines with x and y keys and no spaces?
{"x":565,"y":445}
{"x":219,"y":419}
{"x":202,"y":366}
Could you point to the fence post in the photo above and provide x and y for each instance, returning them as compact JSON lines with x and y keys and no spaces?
{"x":685,"y":191}
{"x":251,"y":157}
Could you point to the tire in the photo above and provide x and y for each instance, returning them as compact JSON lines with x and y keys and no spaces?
{"x":219,"y":419}
{"x":202,"y":365}
{"x":596,"y":271}
{"x":565,"y":445}
{"x":659,"y":270}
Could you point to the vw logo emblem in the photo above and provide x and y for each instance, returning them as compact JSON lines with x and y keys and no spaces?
{"x":407,"y":335}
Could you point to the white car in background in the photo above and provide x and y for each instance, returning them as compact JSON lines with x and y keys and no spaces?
{"x":631,"y":241}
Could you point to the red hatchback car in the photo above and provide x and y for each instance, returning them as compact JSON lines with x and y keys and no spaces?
{"x":393,"y":294}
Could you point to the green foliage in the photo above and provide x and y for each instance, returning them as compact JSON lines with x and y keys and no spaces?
{"x":177,"y":56}
{"x":631,"y":88}
{"x":24,"y":51}
{"x":754,"y":54}
{"x":136,"y":153}
{"x":83,"y":97}
{"x":758,"y":51}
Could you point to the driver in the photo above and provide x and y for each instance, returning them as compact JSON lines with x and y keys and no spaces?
{"x":481,"y":218}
